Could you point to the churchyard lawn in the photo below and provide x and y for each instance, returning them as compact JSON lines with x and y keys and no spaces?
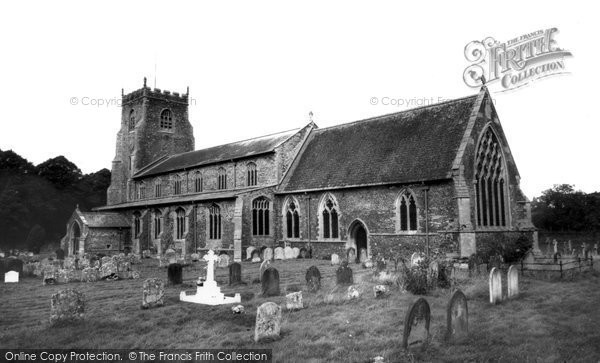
{"x":549,"y":321}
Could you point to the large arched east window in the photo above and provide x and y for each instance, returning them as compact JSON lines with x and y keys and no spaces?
{"x":214,"y":222}
{"x":166,"y":120}
{"x":260,"y":216}
{"x":131,"y":120}
{"x":407,"y":212}
{"x":180,"y":223}
{"x":329,"y":218}
{"x":292,"y":219}
{"x":251,"y":178}
{"x":490,"y":182}
{"x":221,"y":178}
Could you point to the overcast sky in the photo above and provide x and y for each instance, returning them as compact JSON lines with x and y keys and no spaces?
{"x":256,"y":68}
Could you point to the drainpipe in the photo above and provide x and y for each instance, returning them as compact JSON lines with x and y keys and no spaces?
{"x":308,"y":221}
{"x":427,"y":219}
{"x":195,"y":223}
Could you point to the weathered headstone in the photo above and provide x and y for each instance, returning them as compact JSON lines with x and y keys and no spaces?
{"x":235,"y":273}
{"x":344,"y":274}
{"x":195,"y":257}
{"x":249,"y":251}
{"x":267,"y":254}
{"x":11,"y":276}
{"x":270,"y":282}
{"x":263,"y":267}
{"x":353,"y":292}
{"x":335,"y":259}
{"x":238,"y":309}
{"x":351,"y":254}
{"x":90,"y":274}
{"x":108,"y":270}
{"x":223,"y":261}
{"x":362,"y":255}
{"x":279,"y":255}
{"x":295,"y":252}
{"x":67,"y":305}
{"x":416,"y":325}
{"x":49,"y":276}
{"x":62,"y":276}
{"x":415,"y":258}
{"x":495,"y":281}
{"x":433,"y":273}
{"x":513,"y":281}
{"x":380,"y":291}
{"x":175,"y":274}
{"x":457,"y":317}
{"x":293,"y":301}
{"x":303,"y":253}
{"x":153,"y":292}
{"x":256,"y":256}
{"x":268,"y":322}
{"x":288,"y":253}
{"x":171,"y":256}
{"x":313,"y":279}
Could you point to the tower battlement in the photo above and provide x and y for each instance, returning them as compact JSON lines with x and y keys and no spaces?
{"x":156,"y":93}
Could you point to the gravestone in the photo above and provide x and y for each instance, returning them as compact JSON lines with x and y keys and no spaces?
{"x":380,"y":291}
{"x":344,"y":274}
{"x":303,"y":253}
{"x":351,"y":254}
{"x":335,"y":259}
{"x":67,"y":305}
{"x":74,"y":275}
{"x":363,"y":255}
{"x":90,"y":274}
{"x":84,"y":262}
{"x":235,"y":273}
{"x":237,"y":309}
{"x":288,"y":253}
{"x":263,"y":267}
{"x":175,"y":274}
{"x":268,"y":322}
{"x":267,"y":254}
{"x":105,"y":259}
{"x":278,"y":252}
{"x":555,"y":246}
{"x":249,"y":252}
{"x":313,"y":279}
{"x":195,"y":257}
{"x":583,"y":250}
{"x":293,"y":301}
{"x":415,"y":258}
{"x":60,"y":254}
{"x":495,"y":281}
{"x":69,"y":262}
{"x":513,"y":281}
{"x":153,"y":292}
{"x":457,"y":317}
{"x":49,"y":276}
{"x":296,"y":252}
{"x":108,"y":270}
{"x":270,"y":282}
{"x":256,"y":256}
{"x":433,"y":273}
{"x":570,"y":245}
{"x":353,"y":292}
{"x":416,"y":325}
{"x":11,"y":276}
{"x":223,"y":261}
{"x":171,"y":256}
{"x":62,"y":276}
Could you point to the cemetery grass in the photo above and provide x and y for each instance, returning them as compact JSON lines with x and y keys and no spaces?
{"x":549,"y":321}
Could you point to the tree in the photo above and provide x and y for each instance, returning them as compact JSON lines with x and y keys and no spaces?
{"x":562,"y":208}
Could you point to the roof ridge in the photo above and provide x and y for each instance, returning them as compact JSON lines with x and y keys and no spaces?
{"x":397,"y":113}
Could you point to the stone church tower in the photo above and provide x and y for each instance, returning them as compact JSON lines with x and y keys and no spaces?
{"x":154,"y":125}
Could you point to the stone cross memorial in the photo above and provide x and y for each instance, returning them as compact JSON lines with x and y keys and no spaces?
{"x":495,"y":281}
{"x":457,"y":317}
{"x":513,"y":281}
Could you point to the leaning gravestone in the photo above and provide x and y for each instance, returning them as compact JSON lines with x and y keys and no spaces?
{"x":249,"y":251}
{"x":108,"y":270}
{"x":313,"y":279}
{"x":268,"y":322}
{"x":344,"y":274}
{"x":335,"y":259}
{"x":416,"y":325}
{"x":270,"y":282}
{"x":296,"y":252}
{"x":293,"y":301}
{"x":235,"y":273}
{"x":362,"y":256}
{"x":513,"y":281}
{"x":495,"y":282}
{"x":263,"y":267}
{"x":457,"y":317}
{"x":268,"y":254}
{"x":175,"y":274}
{"x":153,"y":292}
{"x":415,"y":258}
{"x":351,"y":254}
{"x":279,"y":255}
{"x":67,"y":305}
{"x":288,"y":253}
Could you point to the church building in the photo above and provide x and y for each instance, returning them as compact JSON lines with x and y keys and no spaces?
{"x":439,"y":177}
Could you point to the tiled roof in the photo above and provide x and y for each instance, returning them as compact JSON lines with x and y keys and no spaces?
{"x":104,"y":219}
{"x":409,"y":146}
{"x":235,"y":150}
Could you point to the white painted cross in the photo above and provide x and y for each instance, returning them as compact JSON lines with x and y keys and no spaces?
{"x":210,"y":257}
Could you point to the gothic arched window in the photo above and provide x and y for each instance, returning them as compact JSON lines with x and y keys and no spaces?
{"x":131,"y":120}
{"x":141,"y":190}
{"x":292,"y":219}
{"x":157,"y":188}
{"x":157,"y":223}
{"x":329,"y":218}
{"x":197,"y":182}
{"x":176,"y":185}
{"x":260,"y":216}
{"x":137,"y":224}
{"x":252,"y":176}
{"x":407,"y":212}
{"x":166,"y":120}
{"x":490,"y":185}
{"x":221,"y":178}
{"x":214,"y":222}
{"x":180,"y":223}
